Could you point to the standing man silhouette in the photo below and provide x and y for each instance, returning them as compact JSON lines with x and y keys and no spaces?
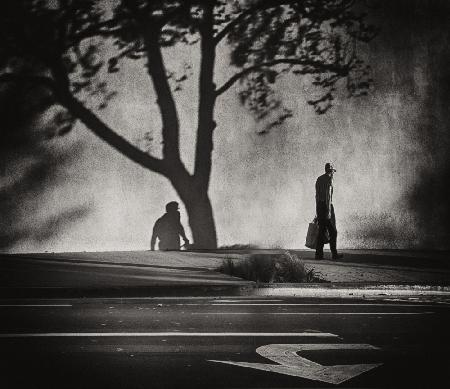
{"x":168,"y":229}
{"x":325,"y":212}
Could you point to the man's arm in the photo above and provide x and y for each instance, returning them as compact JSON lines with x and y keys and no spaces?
{"x":317,"y":192}
{"x":183,"y":234}
{"x":328,"y":199}
{"x":323,"y":198}
{"x":154,"y":236}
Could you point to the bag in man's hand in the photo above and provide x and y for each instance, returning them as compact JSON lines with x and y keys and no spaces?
{"x":313,"y":235}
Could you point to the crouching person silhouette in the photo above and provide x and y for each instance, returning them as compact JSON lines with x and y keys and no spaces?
{"x":168,"y":229}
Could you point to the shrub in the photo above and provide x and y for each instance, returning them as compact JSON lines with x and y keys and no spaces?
{"x":285,"y":267}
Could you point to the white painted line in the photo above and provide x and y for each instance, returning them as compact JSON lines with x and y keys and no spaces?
{"x":312,"y":305}
{"x":35,"y":305}
{"x":312,"y":313}
{"x":155,"y":298}
{"x":163,"y":334}
{"x":346,"y":292}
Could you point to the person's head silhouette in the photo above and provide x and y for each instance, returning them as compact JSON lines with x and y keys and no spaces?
{"x":172,"y":207}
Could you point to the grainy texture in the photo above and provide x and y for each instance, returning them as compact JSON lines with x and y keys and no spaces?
{"x":390,"y":149}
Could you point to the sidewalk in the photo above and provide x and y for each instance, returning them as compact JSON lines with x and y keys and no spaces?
{"x":357,"y":265}
{"x":397,"y":271}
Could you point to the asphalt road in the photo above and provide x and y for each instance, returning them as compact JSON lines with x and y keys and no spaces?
{"x":234,"y":342}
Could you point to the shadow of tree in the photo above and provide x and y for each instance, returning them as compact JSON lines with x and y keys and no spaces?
{"x":32,"y":166}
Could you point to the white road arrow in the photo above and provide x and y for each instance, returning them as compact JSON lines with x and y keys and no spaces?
{"x":290,"y":363}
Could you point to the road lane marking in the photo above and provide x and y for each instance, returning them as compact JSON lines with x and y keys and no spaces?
{"x":312,"y":313}
{"x":292,"y":364}
{"x":214,"y":299}
{"x":159,"y":334}
{"x":312,"y":305}
{"x":35,"y":305}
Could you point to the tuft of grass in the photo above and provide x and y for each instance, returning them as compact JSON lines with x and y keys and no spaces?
{"x":285,"y":267}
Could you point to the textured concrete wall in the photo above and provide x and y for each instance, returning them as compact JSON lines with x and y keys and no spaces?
{"x":390,"y":150}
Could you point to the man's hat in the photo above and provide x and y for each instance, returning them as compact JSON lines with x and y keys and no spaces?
{"x":329,"y":167}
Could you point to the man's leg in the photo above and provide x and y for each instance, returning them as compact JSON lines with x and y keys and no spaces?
{"x":319,"y":245}
{"x":333,"y":236}
{"x":331,"y":227}
{"x":321,"y":213}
